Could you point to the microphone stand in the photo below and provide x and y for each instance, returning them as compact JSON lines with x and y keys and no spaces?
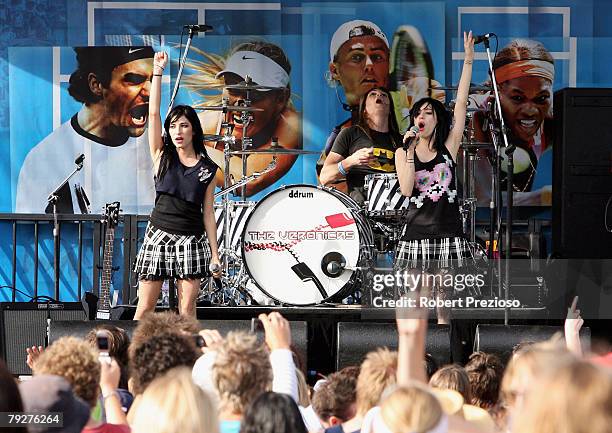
{"x":192,"y":31}
{"x":509,"y":150}
{"x":52,"y":200}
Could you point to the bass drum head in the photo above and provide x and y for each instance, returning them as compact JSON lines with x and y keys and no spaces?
{"x":295,"y":236}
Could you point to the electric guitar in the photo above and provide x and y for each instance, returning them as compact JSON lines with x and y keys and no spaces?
{"x":111,"y":219}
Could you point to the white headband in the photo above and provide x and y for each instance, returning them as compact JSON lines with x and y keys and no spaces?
{"x":262,"y":69}
{"x":353,"y":29}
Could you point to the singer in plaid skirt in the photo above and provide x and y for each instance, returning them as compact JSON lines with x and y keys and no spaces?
{"x":181,"y":238}
{"x":432,"y":237}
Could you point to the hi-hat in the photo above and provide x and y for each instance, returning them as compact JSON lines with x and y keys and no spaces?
{"x":229,"y":108}
{"x":243,"y":85}
{"x":472,"y":88}
{"x":275,"y":150}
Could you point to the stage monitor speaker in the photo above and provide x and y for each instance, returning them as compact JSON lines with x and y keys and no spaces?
{"x":357,"y":339}
{"x":24,"y":324}
{"x":501,"y":339}
{"x":582,"y":173}
{"x":58,"y":329}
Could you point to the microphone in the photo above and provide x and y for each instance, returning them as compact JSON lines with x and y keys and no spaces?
{"x":198,"y":27}
{"x":481,"y":38}
{"x":215,"y":267}
{"x":80,"y":159}
{"x":407,"y":142}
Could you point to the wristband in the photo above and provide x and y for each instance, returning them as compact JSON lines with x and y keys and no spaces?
{"x":341,"y":169}
{"x":468,"y":62}
{"x":109,"y":395}
{"x":157,"y":75}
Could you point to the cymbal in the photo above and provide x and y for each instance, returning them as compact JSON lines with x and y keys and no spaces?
{"x":275,"y":150}
{"x":246,"y":86}
{"x":472,"y":88}
{"x":215,"y":137}
{"x":229,"y":108}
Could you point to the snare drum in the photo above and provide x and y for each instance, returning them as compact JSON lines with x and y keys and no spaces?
{"x":303,"y":245}
{"x":383,"y":196}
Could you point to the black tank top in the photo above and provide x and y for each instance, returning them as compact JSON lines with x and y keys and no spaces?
{"x":433,"y":212}
{"x":180,"y":196}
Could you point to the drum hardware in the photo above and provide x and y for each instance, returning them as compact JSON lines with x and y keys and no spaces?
{"x":271,"y":166}
{"x":473,"y":88}
{"x":248,"y":85}
{"x":227,"y":108}
{"x":277,"y":150}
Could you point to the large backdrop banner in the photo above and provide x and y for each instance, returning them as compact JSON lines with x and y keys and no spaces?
{"x":77,"y":81}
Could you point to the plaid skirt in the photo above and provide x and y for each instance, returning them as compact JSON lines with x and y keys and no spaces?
{"x":165,"y":255}
{"x":432,"y":254}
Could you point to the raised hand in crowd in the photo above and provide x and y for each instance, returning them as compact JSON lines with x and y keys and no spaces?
{"x":33,"y":354}
{"x":212,"y":338}
{"x":110,"y":373}
{"x":277,"y":331}
{"x":411,"y":330}
{"x":573,"y":324}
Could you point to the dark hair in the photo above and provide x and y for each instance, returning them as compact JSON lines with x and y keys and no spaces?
{"x":159,"y":354}
{"x":169,"y":150}
{"x":392,"y":121}
{"x":431,"y":366}
{"x":10,"y":398}
{"x":161,"y":323}
{"x":118,"y":343}
{"x":443,"y":120}
{"x":273,"y":413}
{"x":522,"y":49}
{"x":485,"y":371}
{"x":337,"y":396}
{"x":101,"y":61}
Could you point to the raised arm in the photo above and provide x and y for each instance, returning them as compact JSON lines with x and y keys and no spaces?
{"x":155,"y":124}
{"x":454,"y":138}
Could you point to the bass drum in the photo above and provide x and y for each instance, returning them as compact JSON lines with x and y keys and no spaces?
{"x":304,"y":245}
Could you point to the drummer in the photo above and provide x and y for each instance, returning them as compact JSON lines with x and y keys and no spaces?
{"x":367,"y":147}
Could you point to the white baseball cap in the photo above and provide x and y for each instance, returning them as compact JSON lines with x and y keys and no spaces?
{"x":353,"y":29}
{"x":262,"y":69}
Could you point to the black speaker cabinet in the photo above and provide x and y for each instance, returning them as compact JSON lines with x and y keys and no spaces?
{"x":357,"y":339}
{"x":501,"y":339}
{"x":582,"y":173}
{"x":24,"y":324}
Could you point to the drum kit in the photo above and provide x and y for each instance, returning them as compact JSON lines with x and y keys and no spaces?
{"x":304,"y":244}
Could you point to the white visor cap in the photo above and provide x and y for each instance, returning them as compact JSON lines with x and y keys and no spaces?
{"x":262,"y":69}
{"x":353,"y":29}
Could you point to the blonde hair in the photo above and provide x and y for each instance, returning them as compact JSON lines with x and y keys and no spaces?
{"x":575,"y":398}
{"x":378,"y":371}
{"x":411,"y":409}
{"x":303,"y":389}
{"x":241,"y":371}
{"x":453,"y":377}
{"x":172,"y":403}
{"x":77,"y":362}
{"x":529,"y":364}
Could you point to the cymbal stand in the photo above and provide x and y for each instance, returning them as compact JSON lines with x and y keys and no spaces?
{"x":468,"y":210}
{"x":247,"y":141}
